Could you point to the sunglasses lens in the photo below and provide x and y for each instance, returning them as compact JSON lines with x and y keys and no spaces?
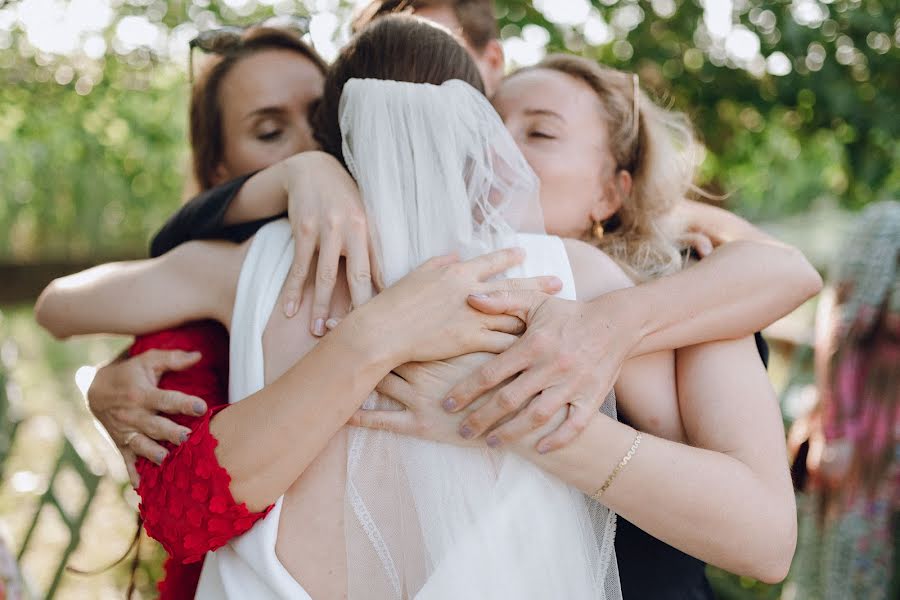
{"x":217,"y":40}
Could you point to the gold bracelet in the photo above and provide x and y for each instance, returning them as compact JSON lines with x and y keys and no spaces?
{"x":628,"y":455}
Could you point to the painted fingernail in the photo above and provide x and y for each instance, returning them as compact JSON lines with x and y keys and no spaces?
{"x":199,"y":407}
{"x":183,"y":437}
{"x":466,"y":432}
{"x":290,"y":308}
{"x":493,"y":441}
{"x":331,"y":323}
{"x":543,"y":448}
{"x":319,"y":327}
{"x":449,"y":404}
{"x":160,"y":456}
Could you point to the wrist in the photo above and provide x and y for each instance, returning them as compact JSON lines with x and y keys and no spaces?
{"x":365,"y":337}
{"x":626,"y":311}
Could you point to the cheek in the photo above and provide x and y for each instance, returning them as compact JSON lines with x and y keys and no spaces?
{"x":567,"y":194}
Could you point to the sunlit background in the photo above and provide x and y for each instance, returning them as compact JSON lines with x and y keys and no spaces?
{"x":797,"y":102}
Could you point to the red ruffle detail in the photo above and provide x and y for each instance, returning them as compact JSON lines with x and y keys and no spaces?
{"x":186,"y":503}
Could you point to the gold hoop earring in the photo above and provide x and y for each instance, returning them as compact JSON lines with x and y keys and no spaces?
{"x":598,"y":230}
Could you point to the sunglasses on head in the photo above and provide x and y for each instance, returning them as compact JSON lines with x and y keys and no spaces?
{"x":230,"y":38}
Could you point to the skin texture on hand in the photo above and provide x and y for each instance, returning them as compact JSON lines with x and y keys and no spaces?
{"x":556,"y":362}
{"x":125,"y":398}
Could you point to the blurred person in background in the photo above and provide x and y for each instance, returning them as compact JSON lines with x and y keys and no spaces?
{"x":850,"y":500}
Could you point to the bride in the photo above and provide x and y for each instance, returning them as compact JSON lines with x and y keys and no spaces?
{"x":369,"y":514}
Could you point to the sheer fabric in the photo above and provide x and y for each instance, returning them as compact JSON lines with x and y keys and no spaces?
{"x":439,"y":172}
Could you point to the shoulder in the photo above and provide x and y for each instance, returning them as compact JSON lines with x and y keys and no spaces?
{"x":594,"y":271}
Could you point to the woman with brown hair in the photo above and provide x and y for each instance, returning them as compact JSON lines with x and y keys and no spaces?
{"x":248,"y":110}
{"x":850,"y":502}
{"x":263,"y":457}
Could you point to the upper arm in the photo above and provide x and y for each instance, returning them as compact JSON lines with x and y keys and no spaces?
{"x":195,"y":281}
{"x":728,"y":405}
{"x":646,"y":393}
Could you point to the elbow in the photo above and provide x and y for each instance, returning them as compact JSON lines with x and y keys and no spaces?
{"x":777,"y":550}
{"x":806,"y":277}
{"x":46,"y":313}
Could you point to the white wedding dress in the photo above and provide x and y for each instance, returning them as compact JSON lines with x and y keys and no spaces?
{"x":425,"y":520}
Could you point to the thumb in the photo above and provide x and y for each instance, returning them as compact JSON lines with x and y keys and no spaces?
{"x":515,"y":303}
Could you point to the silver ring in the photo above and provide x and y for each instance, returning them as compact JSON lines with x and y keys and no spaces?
{"x":129,"y":437}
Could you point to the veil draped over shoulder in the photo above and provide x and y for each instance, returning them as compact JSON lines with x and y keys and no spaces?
{"x":439,"y":172}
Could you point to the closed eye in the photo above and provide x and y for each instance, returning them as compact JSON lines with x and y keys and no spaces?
{"x":541,"y":135}
{"x":270,"y":135}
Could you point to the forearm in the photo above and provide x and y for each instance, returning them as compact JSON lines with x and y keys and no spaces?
{"x":268,"y":439}
{"x":264,"y":195}
{"x":737,"y":290}
{"x":704,"y":503}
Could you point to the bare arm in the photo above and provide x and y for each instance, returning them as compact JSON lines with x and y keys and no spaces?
{"x":194,"y":281}
{"x":575,"y":350}
{"x":727,"y":500}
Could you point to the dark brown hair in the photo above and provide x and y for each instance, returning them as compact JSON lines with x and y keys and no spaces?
{"x":477,"y":18}
{"x":395,"y":48}
{"x":207,"y":143}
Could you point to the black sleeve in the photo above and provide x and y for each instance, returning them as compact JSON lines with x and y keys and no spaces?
{"x":201,"y":219}
{"x":763,"y":348}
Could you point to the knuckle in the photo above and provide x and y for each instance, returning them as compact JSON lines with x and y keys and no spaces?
{"x":334,"y":220}
{"x":363,"y":276}
{"x":134,"y":396}
{"x":298,"y":270}
{"x":486,"y":375}
{"x":506,"y":400}
{"x":540,"y":415}
{"x":327,"y":274}
{"x":307,"y":226}
{"x":357,"y":222}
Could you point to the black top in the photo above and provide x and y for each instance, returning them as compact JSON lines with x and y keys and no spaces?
{"x":648,"y":568}
{"x":201,"y":219}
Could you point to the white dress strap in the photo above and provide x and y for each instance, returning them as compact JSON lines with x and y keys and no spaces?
{"x":247,"y":567}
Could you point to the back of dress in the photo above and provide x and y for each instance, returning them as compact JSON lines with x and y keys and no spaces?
{"x":439,"y":173}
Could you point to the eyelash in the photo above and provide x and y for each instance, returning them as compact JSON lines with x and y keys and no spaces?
{"x":268,"y":137}
{"x":541,"y":135}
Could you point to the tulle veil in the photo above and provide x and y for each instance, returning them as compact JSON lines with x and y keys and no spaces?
{"x":439,"y":172}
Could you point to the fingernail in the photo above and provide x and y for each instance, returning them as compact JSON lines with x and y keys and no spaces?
{"x":199,"y":407}
{"x":479,"y":296}
{"x":193,"y":354}
{"x":183,"y":437}
{"x":543,"y":448}
{"x":331,"y":323}
{"x":290,"y":308}
{"x":466,"y":432}
{"x":556,"y":282}
{"x":160,"y":456}
{"x":319,"y":327}
{"x":449,"y":404}
{"x":493,"y":441}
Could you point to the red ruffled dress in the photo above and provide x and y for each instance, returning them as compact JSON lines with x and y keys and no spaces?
{"x":186,"y":503}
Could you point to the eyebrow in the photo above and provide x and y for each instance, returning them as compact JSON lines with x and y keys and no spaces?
{"x":266,"y":111}
{"x":543,"y":112}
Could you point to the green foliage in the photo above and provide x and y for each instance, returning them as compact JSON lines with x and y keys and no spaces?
{"x":93,"y":152}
